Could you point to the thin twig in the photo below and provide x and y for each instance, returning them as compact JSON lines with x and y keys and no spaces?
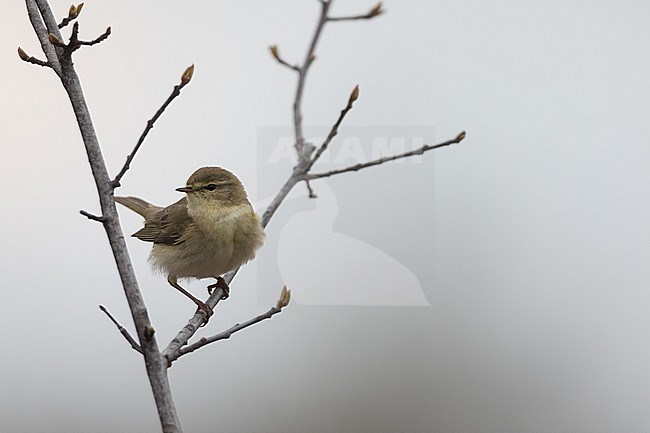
{"x":65,"y":22}
{"x":74,"y":44}
{"x":304,"y":150}
{"x":310,"y":190}
{"x":275,"y":52}
{"x":223,"y":335}
{"x":98,"y":39}
{"x":375,"y":11}
{"x":335,"y":128}
{"x":92,"y":216}
{"x":285,"y":297}
{"x":29,"y":59}
{"x":123,"y":330}
{"x":185,"y":79}
{"x":420,"y":151}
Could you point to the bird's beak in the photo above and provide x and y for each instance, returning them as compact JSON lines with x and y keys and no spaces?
{"x":185,"y":189}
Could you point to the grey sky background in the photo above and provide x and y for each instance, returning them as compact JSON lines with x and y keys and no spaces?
{"x":529,"y":241}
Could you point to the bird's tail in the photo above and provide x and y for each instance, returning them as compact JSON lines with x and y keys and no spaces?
{"x":139,"y":206}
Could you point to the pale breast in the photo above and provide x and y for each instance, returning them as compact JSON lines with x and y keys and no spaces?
{"x":216,"y":243}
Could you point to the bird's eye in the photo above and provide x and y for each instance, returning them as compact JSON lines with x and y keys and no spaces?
{"x":211,"y":187}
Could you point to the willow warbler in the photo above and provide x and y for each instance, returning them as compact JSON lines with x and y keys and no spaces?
{"x":210,"y":231}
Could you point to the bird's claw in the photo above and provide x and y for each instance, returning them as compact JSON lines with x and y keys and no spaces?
{"x":221,"y":283}
{"x":207,"y":310}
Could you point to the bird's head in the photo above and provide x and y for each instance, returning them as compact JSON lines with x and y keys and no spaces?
{"x":215,"y":187}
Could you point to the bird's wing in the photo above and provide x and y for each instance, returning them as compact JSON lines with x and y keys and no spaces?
{"x":166,"y":226}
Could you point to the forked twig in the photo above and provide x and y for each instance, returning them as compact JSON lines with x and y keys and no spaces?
{"x":73,"y":13}
{"x":283,"y":301}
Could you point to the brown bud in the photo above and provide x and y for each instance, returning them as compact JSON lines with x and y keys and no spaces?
{"x":187,"y":75}
{"x":354,"y":95}
{"x":72,"y":12}
{"x":53,"y":39}
{"x":275,"y":52}
{"x":23,"y":55}
{"x":376,"y":10}
{"x":460,"y":136}
{"x":108,"y":31}
{"x":79,"y":7}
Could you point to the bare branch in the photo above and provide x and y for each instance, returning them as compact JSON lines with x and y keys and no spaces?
{"x":375,"y":11}
{"x":45,"y":25}
{"x":29,"y":59}
{"x":275,"y":52}
{"x":420,"y":151}
{"x":92,"y":216}
{"x":284,"y":300}
{"x":185,"y":79}
{"x":304,"y":150}
{"x":123,"y":330}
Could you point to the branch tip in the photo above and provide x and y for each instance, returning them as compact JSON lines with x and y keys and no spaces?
{"x":285,"y":298}
{"x":460,"y":137}
{"x":92,"y":216}
{"x":376,"y":10}
{"x":123,"y":330}
{"x":275,"y":52}
{"x":23,"y":55}
{"x":310,"y":190}
{"x":187,"y":75}
{"x":354,"y":95}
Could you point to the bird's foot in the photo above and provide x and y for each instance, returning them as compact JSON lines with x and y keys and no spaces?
{"x":202,"y":306}
{"x":221,"y":283}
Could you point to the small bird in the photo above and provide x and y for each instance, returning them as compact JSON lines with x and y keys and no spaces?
{"x":210,"y":231}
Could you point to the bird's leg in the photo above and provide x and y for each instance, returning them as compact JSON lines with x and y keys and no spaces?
{"x":200,"y":304}
{"x":221,"y":283}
